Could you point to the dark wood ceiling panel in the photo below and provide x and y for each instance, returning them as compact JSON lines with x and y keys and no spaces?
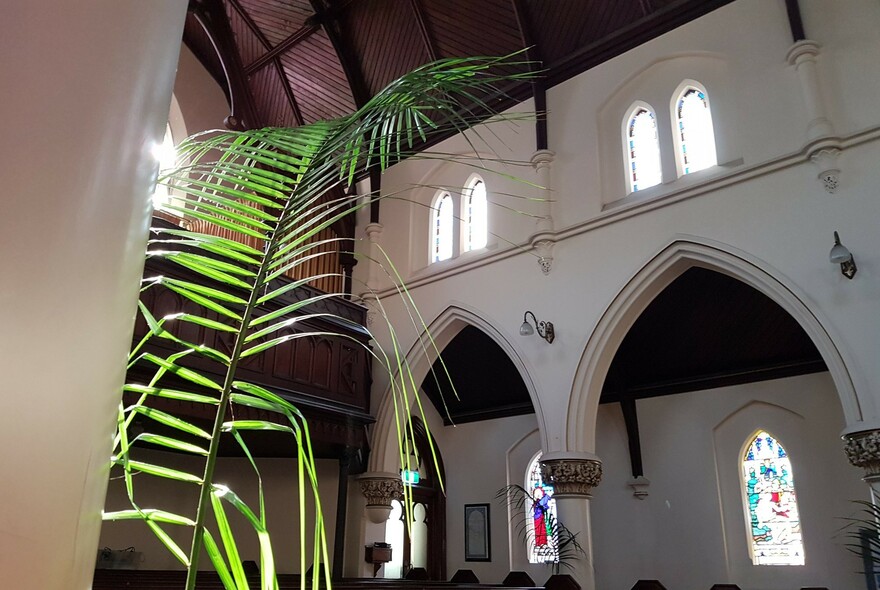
{"x":314,"y":72}
{"x":278,"y":19}
{"x":250,"y":47}
{"x":462,"y":27}
{"x":486,"y":382}
{"x":561,"y":26}
{"x":385,"y":39}
{"x":705,"y":330}
{"x":271,"y":101}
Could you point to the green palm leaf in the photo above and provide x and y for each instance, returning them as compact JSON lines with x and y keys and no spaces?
{"x":267,"y":187}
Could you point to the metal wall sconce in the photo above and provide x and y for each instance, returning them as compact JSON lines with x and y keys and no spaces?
{"x":545,"y":329}
{"x":841,"y":255}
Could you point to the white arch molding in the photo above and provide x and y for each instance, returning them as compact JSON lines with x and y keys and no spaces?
{"x":683,"y":253}
{"x":447,"y":325}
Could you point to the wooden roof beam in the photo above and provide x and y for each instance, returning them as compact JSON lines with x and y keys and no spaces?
{"x":264,"y":60}
{"x":423,"y":28}
{"x":211,"y":15}
{"x":539,"y":88}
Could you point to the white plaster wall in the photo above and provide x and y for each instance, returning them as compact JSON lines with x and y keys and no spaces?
{"x":281,"y":490}
{"x":690,"y":531}
{"x":769,"y":210}
{"x":203,"y":105}
{"x":476,"y":470}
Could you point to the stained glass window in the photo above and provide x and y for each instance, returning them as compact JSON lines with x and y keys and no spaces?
{"x":441,"y":230}
{"x":474,"y":212}
{"x":774,"y":524}
{"x":696,"y":139}
{"x":644,"y":150}
{"x":541,"y":530}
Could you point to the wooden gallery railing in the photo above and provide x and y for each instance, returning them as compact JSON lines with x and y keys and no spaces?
{"x":328,"y":256}
{"x":327,"y":376}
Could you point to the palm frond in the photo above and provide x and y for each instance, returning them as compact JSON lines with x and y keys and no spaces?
{"x":267,"y":190}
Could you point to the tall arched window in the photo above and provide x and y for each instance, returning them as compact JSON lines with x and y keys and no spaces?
{"x":541,"y":530}
{"x":643,"y":148}
{"x":441,"y":228}
{"x":695,"y":137}
{"x":474,"y":213}
{"x":166,"y":155}
{"x":774,"y":527}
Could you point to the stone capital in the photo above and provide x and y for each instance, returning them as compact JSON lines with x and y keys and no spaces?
{"x":542,"y":159}
{"x":380,"y":488}
{"x":863,"y":450}
{"x":801,"y":51}
{"x":572,"y":476}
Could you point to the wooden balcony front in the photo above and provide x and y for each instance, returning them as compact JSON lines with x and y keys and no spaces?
{"x":325,"y":373}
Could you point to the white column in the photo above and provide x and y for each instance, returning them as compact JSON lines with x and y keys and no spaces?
{"x":823,"y":147}
{"x":374,"y":233}
{"x":86,"y":87}
{"x":544,"y":237}
{"x":573,"y":477}
{"x":802,"y":55}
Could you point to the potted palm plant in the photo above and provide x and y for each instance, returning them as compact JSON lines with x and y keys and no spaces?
{"x":266,"y":189}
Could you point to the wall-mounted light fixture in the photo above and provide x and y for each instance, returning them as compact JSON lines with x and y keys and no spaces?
{"x":545,"y":329}
{"x":841,"y":255}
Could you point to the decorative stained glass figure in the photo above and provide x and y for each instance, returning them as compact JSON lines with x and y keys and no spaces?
{"x":475,"y":216}
{"x":774,"y":522}
{"x":441,"y":246}
{"x":644,"y":150}
{"x":696,"y":138}
{"x":543,"y":542}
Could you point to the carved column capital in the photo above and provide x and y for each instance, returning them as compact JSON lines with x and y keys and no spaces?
{"x":373,"y":231}
{"x":863,"y":450}
{"x":379,"y":488}
{"x":542,"y":159}
{"x":572,"y":476}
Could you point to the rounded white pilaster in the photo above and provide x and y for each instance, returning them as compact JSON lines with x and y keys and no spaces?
{"x":89,"y":88}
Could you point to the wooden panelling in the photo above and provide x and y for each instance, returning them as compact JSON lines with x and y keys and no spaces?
{"x":278,"y":19}
{"x":271,"y":100}
{"x":314,"y":71}
{"x":385,"y":39}
{"x":250,"y":46}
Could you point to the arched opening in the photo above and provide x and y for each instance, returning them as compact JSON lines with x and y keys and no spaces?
{"x":442,"y":218}
{"x":694,"y":133}
{"x":706,"y":334}
{"x":474,"y":215}
{"x":642,"y":147}
{"x":651,"y":280}
{"x":421,"y":542}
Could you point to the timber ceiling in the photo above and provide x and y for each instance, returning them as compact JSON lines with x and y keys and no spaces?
{"x":289,"y":62}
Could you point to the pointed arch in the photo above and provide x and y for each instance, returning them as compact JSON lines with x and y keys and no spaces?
{"x":693,"y":132}
{"x":443,"y":329}
{"x":642,"y":146}
{"x":656,"y":275}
